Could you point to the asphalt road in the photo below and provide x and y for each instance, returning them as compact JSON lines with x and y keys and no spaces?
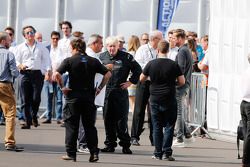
{"x":44,"y":147}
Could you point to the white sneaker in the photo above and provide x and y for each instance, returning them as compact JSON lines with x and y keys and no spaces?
{"x":176,"y":143}
{"x":83,"y":150}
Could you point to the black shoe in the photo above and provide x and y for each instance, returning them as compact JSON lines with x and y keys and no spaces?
{"x":94,"y":157}
{"x":135,"y":142}
{"x":168,"y":157}
{"x":188,"y":136}
{"x":69,"y":158}
{"x":47,"y":121}
{"x":126,"y":150}
{"x":35,"y":122}
{"x":2,"y":123}
{"x":59,"y":122}
{"x":25,"y":126}
{"x":108,"y":149}
{"x":14,"y":148}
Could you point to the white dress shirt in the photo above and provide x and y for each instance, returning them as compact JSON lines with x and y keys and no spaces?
{"x":245,"y":85}
{"x":56,"y":57}
{"x":91,"y":53}
{"x":205,"y":61}
{"x":64,"y":45}
{"x":35,"y":57}
{"x":99,"y":99}
{"x":13,"y":48}
{"x":144,"y":54}
{"x":172,"y":53}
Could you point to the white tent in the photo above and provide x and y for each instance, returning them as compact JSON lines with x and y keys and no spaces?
{"x":229,"y":45}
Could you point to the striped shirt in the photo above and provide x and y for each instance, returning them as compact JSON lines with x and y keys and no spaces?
{"x":8,"y":68}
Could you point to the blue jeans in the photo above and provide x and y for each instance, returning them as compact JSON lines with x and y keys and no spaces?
{"x":181,"y":97}
{"x":52,"y":89}
{"x":163,"y":121}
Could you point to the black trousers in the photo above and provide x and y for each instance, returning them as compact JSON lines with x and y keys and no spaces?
{"x":31,"y":84}
{"x":245,"y":116}
{"x":116,"y":110}
{"x":141,"y":101}
{"x":74,"y":110}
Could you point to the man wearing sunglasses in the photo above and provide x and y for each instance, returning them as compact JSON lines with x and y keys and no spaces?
{"x":50,"y":85}
{"x":11,"y":33}
{"x":33,"y":61}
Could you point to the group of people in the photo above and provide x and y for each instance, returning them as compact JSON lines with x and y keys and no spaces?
{"x":157,"y":74}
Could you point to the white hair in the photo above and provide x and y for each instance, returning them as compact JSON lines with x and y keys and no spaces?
{"x":93,"y":38}
{"x":154,"y":33}
{"x":111,"y":40}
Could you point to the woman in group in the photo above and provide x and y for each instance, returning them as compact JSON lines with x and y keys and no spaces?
{"x":133,"y":45}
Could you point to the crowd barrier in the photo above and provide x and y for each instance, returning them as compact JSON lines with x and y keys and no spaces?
{"x":196,"y":116}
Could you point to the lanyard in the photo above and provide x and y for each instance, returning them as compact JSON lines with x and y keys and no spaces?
{"x":30,"y":49}
{"x":152,"y":56}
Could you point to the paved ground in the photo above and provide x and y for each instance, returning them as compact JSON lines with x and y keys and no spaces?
{"x":44,"y":147}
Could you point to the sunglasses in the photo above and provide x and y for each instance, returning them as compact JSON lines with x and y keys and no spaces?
{"x":30,"y":33}
{"x":10,"y":34}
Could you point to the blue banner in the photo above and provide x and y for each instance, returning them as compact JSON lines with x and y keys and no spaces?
{"x":165,"y":14}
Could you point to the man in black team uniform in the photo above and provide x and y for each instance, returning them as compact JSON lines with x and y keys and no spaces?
{"x":116,"y":106}
{"x":163,"y":74}
{"x":80,"y":98}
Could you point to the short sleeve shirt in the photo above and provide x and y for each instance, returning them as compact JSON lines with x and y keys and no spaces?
{"x":82,"y":70}
{"x":163,"y":73}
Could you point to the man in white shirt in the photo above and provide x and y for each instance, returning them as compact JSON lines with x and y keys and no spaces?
{"x":173,"y":49}
{"x":144,"y":38}
{"x":50,"y":85}
{"x":95,"y":45}
{"x":144,"y":54}
{"x":38,"y":37}
{"x":64,"y":43}
{"x":245,"y":114}
{"x":204,"y":63}
{"x":33,"y":61}
{"x":11,"y":33}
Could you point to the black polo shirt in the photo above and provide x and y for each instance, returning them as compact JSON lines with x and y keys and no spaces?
{"x":82,"y":70}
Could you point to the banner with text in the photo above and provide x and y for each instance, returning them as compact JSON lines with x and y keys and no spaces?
{"x":165,"y":14}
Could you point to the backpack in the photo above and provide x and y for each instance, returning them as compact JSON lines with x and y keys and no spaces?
{"x":240,"y":136}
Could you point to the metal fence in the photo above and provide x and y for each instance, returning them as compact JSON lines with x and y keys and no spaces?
{"x":196,"y":114}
